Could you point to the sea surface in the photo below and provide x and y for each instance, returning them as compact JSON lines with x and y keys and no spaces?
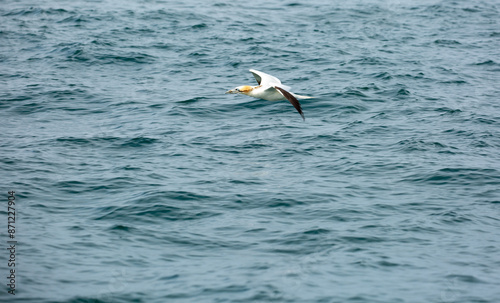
{"x":137,"y":179}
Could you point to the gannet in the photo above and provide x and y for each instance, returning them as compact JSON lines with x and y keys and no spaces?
{"x":269,"y":88}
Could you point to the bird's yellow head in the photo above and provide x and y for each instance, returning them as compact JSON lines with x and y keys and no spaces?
{"x":244,"y":89}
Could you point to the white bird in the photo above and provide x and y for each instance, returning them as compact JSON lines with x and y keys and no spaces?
{"x":269,"y":88}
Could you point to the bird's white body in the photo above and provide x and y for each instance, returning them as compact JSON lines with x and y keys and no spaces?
{"x":266,"y":93}
{"x":270,"y":88}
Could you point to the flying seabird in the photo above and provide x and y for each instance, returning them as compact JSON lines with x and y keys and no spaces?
{"x":271,"y":89}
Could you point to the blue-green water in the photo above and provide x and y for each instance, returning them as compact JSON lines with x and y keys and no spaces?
{"x":138,"y":180}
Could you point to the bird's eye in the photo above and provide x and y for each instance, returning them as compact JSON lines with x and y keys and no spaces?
{"x":238,"y":89}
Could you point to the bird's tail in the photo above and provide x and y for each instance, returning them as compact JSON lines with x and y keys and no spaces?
{"x":302,"y":97}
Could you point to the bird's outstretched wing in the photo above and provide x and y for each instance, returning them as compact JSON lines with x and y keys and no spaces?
{"x":264,"y":79}
{"x":292,"y":100}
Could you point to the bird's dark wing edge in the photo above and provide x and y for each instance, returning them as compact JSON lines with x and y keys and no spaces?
{"x":292,"y":100}
{"x":257,"y":77}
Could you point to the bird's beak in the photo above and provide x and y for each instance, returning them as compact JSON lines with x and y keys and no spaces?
{"x":231,"y":91}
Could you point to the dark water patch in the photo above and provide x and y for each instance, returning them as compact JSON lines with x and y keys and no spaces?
{"x":191,"y":100}
{"x":171,"y":277}
{"x":385,"y":263}
{"x":458,"y":176}
{"x":482,"y":144}
{"x":85,"y":141}
{"x":452,"y":217}
{"x":458,"y":82}
{"x":162,"y":45}
{"x":475,"y":9}
{"x":487,"y":63}
{"x":100,"y":42}
{"x":153,"y":212}
{"x":460,"y":133}
{"x":199,"y":26}
{"x":279,"y":202}
{"x":419,"y":229}
{"x":317,"y":231}
{"x":222,"y":4}
{"x":421,"y":145}
{"x":101,"y":53}
{"x":361,"y":240}
{"x":465,"y":278}
{"x":187,"y":110}
{"x":76,"y":228}
{"x":71,"y":186}
{"x":354,"y":92}
{"x":228,"y":289}
{"x":487,"y":120}
{"x":29,"y":108}
{"x":36,"y":11}
{"x":191,"y":240}
{"x":78,"y":19}
{"x":130,"y":57}
{"x":92,"y":187}
{"x":9,"y":101}
{"x":68,"y":94}
{"x":398,"y":91}
{"x":383,"y":76}
{"x":448,"y":111}
{"x":447,"y":43}
{"x":138,"y":142}
{"x":245,"y":182}
{"x":108,"y":141}
{"x":370,"y":61}
{"x":403,"y":92}
{"x":369,"y":87}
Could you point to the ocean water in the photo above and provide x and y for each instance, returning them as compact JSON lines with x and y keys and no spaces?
{"x":138,"y":180}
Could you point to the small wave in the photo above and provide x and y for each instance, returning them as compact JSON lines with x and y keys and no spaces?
{"x":75,"y":19}
{"x":158,"y":205}
{"x":354,"y":92}
{"x":384,"y":76}
{"x":130,"y":57}
{"x":116,"y":142}
{"x":371,"y":61}
{"x":448,"y":111}
{"x":199,"y":26}
{"x":35,"y":11}
{"x":445,"y":42}
{"x":403,"y":92}
{"x":121,"y":228}
{"x":414,"y":145}
{"x":458,"y":176}
{"x":101,"y":52}
{"x":191,"y":100}
{"x":398,"y":92}
{"x":138,"y":142}
{"x":465,"y":278}
{"x":452,"y":217}
{"x":362,"y":239}
{"x":487,"y":63}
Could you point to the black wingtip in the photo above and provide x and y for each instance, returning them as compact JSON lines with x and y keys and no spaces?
{"x":292,"y":100}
